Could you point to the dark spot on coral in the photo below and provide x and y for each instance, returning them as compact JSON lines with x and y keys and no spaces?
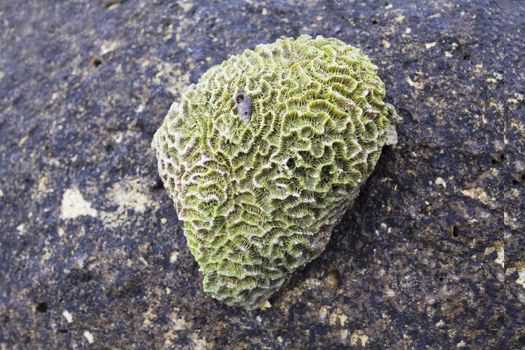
{"x":63,"y":331}
{"x":244,"y":106}
{"x":290,"y":163}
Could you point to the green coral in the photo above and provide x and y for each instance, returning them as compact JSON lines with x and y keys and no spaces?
{"x":260,"y":187}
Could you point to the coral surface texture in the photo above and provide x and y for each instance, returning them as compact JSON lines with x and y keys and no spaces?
{"x":259,"y":196}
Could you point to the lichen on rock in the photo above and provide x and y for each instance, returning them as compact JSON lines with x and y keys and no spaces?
{"x":260,"y":187}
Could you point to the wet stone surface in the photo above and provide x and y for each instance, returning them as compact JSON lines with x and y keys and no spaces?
{"x":91,"y":252}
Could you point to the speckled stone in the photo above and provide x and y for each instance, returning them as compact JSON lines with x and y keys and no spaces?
{"x":92,"y":255}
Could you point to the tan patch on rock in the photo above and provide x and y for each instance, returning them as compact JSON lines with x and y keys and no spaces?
{"x":477,"y":193}
{"x":359,"y":338}
{"x":177,"y":324}
{"x":74,"y":205}
{"x":130,"y":193}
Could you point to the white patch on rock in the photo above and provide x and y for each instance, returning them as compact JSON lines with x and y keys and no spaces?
{"x":440,"y":182}
{"x":173,"y":257}
{"x":461,"y":344}
{"x":501,"y":256}
{"x":266,"y":305}
{"x":109,"y":46}
{"x":74,"y":205}
{"x":391,"y":135}
{"x":322,"y":313}
{"x":414,"y":84}
{"x":21,"y":229}
{"x":477,"y":193}
{"x":521,"y":278}
{"x":89,"y":337}
{"x":500,"y":251}
{"x":68,"y":316}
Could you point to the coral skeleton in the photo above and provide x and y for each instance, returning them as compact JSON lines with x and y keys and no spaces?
{"x":263,"y":156}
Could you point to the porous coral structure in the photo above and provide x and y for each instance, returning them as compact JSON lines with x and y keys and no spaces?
{"x":263,"y":156}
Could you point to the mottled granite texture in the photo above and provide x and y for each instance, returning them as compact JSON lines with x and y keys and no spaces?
{"x":91,"y":253}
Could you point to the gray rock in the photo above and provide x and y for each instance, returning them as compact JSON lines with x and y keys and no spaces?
{"x":92,"y":254}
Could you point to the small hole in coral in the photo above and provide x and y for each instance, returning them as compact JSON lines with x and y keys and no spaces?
{"x":96,"y":61}
{"x":239,"y":98}
{"x":112,"y":4}
{"x":290,"y":163}
{"x":515,"y":182}
{"x":41,"y":307}
{"x":455,"y":231}
{"x":333,"y":278}
{"x":85,"y":277}
{"x":158,"y":185}
{"x":62,"y":331}
{"x":375,"y":21}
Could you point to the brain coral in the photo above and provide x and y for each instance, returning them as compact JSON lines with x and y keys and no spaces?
{"x":263,"y":156}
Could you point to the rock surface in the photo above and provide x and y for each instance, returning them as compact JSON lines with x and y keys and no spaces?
{"x":91,"y":252}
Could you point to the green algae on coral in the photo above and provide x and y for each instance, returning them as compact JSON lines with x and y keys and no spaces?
{"x":260,"y":187}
